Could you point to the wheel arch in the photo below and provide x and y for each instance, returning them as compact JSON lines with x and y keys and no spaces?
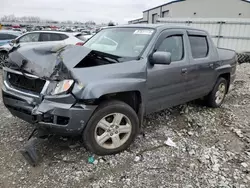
{"x":3,"y":51}
{"x":132,"y":98}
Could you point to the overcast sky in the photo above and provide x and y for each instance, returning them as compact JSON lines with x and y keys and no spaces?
{"x":80,"y":10}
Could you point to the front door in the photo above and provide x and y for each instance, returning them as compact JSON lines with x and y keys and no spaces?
{"x":29,"y":38}
{"x":166,"y":84}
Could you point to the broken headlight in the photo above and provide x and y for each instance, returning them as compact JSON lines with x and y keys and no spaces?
{"x":62,"y":87}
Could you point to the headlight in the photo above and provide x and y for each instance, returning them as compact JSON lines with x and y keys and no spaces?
{"x":62,"y":87}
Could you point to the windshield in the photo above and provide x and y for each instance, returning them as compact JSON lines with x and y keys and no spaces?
{"x":123,"y":42}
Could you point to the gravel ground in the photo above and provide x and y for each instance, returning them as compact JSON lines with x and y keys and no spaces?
{"x":212,"y":150}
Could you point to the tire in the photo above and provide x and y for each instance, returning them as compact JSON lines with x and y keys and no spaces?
{"x":243,"y":57}
{"x":3,"y":57}
{"x":217,"y":96}
{"x":109,"y":112}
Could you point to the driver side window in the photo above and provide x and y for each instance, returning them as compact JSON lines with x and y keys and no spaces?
{"x":31,"y":37}
{"x":174,"y":45}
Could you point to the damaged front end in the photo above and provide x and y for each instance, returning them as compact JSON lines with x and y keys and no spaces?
{"x":37,"y":88}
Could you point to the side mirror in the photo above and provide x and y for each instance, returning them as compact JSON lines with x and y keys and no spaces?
{"x":163,"y":58}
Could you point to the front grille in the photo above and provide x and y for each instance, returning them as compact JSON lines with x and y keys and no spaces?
{"x":25,"y":83}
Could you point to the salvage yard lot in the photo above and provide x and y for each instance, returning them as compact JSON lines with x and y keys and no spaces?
{"x":213,"y":150}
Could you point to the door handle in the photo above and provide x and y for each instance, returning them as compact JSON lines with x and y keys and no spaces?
{"x":184,"y":70}
{"x":211,"y":65}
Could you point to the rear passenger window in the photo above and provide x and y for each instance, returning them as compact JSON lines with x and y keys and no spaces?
{"x":52,"y":37}
{"x":45,"y":37}
{"x":199,"y":46}
{"x":55,"y":37}
{"x":174,"y":45}
{"x":63,"y":37}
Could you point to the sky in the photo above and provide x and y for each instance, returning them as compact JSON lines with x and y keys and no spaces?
{"x":100,"y":11}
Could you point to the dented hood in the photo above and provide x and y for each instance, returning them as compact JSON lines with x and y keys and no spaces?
{"x":51,"y":62}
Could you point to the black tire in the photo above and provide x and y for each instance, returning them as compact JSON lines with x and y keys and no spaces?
{"x":103,"y":110}
{"x":243,"y":57}
{"x":211,"y":98}
{"x":3,"y":57}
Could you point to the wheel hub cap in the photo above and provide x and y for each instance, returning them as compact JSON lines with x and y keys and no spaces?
{"x":113,"y":131}
{"x":220,"y":94}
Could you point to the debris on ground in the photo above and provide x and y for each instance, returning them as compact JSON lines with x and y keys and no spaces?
{"x":91,"y":159}
{"x":137,"y":159}
{"x":170,"y":143}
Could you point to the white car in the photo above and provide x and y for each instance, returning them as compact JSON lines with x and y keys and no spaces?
{"x":84,"y":37}
{"x":42,"y":37}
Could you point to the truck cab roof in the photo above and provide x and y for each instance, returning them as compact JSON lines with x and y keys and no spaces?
{"x":158,"y":27}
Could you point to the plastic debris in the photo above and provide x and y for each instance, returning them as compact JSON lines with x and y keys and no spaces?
{"x":91,"y":159}
{"x":170,"y":143}
{"x":137,"y":159}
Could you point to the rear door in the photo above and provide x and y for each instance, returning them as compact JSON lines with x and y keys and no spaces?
{"x":167,"y":83}
{"x":203,"y":60}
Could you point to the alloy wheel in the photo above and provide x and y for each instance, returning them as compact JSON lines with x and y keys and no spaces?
{"x":220,"y":94}
{"x":113,"y":131}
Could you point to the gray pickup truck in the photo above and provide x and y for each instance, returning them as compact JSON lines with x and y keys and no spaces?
{"x":103,"y":89}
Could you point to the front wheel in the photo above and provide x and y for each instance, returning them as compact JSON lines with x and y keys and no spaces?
{"x":111,"y":129}
{"x":218,"y":94}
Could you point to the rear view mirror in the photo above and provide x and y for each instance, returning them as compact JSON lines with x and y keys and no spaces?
{"x":163,"y":58}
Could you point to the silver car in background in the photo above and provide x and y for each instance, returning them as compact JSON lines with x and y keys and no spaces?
{"x":43,"y":37}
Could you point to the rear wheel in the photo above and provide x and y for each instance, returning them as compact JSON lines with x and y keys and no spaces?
{"x":217,"y":95}
{"x":111,"y":129}
{"x":3,"y":59}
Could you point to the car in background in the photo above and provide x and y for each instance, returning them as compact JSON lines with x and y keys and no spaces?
{"x":86,"y":31}
{"x":8,"y":35}
{"x":42,"y":37}
{"x":84,"y":37}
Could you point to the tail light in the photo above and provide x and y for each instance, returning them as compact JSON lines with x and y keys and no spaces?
{"x":80,"y":43}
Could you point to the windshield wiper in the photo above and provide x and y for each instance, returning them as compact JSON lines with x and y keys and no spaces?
{"x":107,"y":57}
{"x":110,"y":59}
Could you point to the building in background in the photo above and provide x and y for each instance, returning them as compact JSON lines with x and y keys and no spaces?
{"x":197,"y":9}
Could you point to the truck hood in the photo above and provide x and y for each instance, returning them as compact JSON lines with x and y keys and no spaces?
{"x":50,"y":62}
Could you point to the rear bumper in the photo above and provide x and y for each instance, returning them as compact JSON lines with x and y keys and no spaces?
{"x":59,"y":114}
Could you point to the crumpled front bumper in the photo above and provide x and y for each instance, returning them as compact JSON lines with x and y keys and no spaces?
{"x":58,"y":114}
